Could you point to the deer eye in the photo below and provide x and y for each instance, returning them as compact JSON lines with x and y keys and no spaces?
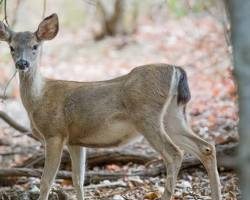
{"x":12,"y":49}
{"x":35,"y":47}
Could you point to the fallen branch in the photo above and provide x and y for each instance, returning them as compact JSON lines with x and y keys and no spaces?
{"x":225,"y":153}
{"x":109,"y":184}
{"x":96,"y":158}
{"x":16,"y":172}
{"x":90,"y":176}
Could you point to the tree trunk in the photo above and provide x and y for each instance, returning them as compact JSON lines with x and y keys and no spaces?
{"x":113,"y":18}
{"x":240,"y":26}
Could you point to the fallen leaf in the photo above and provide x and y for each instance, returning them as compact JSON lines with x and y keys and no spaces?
{"x":151,"y":196}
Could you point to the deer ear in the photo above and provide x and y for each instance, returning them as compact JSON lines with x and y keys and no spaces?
{"x":48,"y":28}
{"x":5,"y":32}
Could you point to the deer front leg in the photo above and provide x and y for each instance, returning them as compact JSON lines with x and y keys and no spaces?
{"x":53,"y":153}
{"x":78,"y":158}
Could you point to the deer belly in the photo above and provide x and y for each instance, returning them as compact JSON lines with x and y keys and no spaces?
{"x":109,"y":135}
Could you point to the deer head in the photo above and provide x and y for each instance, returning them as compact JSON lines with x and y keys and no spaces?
{"x":25,"y":46}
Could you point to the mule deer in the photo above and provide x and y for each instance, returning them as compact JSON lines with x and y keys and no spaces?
{"x":150,"y":100}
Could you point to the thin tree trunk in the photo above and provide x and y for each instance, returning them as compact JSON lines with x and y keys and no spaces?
{"x":240,"y":26}
{"x":114,"y":21}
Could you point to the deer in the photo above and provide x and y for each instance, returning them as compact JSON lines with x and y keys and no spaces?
{"x":148,"y":101}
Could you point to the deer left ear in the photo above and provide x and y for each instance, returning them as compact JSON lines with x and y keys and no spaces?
{"x":48,"y":28}
{"x":5,"y":32}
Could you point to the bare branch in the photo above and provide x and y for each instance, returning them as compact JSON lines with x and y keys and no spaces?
{"x":13,"y":123}
{"x":43,"y":16}
{"x":90,"y":176}
{"x":16,"y":125}
{"x":44,"y":8}
{"x":9,"y":172}
{"x":5,"y":97}
{"x":5,"y":13}
{"x":15,"y":13}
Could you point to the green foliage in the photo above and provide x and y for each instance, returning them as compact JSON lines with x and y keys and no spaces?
{"x":177,"y":8}
{"x":180,"y":8}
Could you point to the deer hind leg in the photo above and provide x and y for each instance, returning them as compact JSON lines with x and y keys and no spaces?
{"x":154,"y":132}
{"x":180,"y":132}
{"x":53,"y":153}
{"x":78,"y":158}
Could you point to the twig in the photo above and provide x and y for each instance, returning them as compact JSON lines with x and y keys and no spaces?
{"x":5,"y":13}
{"x":38,"y":159}
{"x":110,"y":184}
{"x":43,"y":16}
{"x":44,"y":8}
{"x":12,"y":153}
{"x":5,"y":97}
{"x":16,"y":125}
{"x":13,"y":123}
{"x":30,"y":173}
{"x":91,"y":2}
{"x":7,"y":85}
{"x":14,"y":20}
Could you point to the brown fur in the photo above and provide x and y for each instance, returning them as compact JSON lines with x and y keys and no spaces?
{"x":78,"y":110}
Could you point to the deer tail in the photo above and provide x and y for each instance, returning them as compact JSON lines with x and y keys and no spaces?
{"x":183,"y":91}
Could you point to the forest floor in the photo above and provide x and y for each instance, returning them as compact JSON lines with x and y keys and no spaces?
{"x":196,"y":43}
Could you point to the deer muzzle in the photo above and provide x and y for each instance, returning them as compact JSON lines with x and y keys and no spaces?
{"x":22,"y":64}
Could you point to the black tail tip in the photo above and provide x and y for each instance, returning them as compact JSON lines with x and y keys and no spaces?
{"x":184,"y":95}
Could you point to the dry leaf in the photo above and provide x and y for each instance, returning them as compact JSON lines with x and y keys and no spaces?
{"x":151,"y":196}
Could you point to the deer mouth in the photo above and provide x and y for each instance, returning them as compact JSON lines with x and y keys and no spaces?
{"x":22,"y":65}
{"x":24,"y":70}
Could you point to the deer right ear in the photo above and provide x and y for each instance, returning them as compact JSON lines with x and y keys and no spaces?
{"x":5,"y":32}
{"x":48,"y":28}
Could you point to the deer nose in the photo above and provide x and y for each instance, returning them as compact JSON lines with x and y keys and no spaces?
{"x":22,"y":64}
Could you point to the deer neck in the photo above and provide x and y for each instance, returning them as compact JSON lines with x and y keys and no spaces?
{"x":31,"y":86}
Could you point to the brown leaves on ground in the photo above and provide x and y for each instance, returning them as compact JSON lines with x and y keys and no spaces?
{"x":151,"y":196}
